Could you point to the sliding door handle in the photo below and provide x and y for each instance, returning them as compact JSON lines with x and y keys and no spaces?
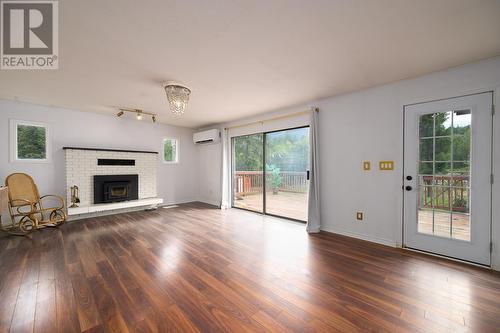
{"x":307,"y":175}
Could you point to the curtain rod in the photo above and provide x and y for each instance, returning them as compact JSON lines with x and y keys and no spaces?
{"x":290,"y":115}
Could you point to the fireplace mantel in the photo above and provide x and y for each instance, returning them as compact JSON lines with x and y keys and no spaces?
{"x":113,"y":150}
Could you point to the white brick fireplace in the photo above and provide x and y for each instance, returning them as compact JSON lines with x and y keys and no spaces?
{"x":82,"y":166}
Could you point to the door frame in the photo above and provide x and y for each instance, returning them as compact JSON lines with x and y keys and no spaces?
{"x":264,"y":172}
{"x":492,"y":157}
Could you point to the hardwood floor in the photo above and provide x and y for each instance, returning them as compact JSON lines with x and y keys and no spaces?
{"x":198,"y":269}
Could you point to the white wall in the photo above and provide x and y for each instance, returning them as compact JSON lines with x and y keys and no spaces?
{"x":367,"y":125}
{"x":176,"y":182}
{"x":209,"y":173}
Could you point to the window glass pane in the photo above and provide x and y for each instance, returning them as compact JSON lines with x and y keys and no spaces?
{"x":425,"y":168}
{"x":425,"y":180}
{"x":442,"y":223}
{"x":443,"y":123}
{"x":426,"y":149}
{"x":442,"y":197}
{"x":248,"y":175}
{"x":170,"y":150}
{"x":443,"y":180}
{"x":426,"y":199}
{"x":425,"y":221}
{"x":443,"y":149}
{"x":461,"y":122}
{"x":443,"y":168}
{"x":426,"y":125}
{"x":460,"y":197}
{"x":461,"y":168}
{"x":461,"y":147}
{"x":31,"y":142}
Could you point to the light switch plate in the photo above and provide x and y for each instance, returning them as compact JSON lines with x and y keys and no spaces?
{"x":386,"y":165}
{"x":366,"y":165}
{"x":359,"y":216}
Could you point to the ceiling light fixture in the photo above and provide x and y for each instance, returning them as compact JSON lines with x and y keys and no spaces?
{"x":138,"y":113}
{"x":177,"y":96}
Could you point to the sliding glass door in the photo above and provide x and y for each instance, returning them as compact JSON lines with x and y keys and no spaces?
{"x":287,"y":164}
{"x":282,"y":189}
{"x":248,"y":167}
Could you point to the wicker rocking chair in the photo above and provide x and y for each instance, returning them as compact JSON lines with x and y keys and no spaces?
{"x":26,"y":206}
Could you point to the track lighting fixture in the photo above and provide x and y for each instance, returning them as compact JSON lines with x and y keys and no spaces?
{"x":138,"y":113}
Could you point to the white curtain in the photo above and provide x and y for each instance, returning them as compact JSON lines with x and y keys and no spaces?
{"x":225,"y":190}
{"x":314,"y":219}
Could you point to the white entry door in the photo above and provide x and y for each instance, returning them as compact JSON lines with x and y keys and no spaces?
{"x":447,"y":177}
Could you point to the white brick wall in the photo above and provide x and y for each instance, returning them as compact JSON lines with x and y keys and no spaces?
{"x":81,"y":166}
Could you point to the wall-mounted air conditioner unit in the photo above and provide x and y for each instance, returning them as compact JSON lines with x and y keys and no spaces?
{"x":206,"y":137}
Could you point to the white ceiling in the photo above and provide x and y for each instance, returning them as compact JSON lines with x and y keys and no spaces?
{"x":241,"y":58}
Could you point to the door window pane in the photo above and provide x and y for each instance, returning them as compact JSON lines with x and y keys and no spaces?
{"x":461,"y":147}
{"x":442,"y":123}
{"x":444,"y":174}
{"x":443,"y":149}
{"x":426,"y":126}
{"x":427,"y":149}
{"x":426,"y":168}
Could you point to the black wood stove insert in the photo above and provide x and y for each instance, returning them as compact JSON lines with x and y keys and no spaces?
{"x":115,"y":188}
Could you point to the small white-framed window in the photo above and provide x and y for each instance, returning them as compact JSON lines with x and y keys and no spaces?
{"x":171,"y":150}
{"x":29,"y":142}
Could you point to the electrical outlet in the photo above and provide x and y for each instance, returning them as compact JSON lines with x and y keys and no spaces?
{"x":359,"y":216}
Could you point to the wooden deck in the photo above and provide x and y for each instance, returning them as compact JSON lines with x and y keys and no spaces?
{"x":288,"y":204}
{"x":199,"y":269}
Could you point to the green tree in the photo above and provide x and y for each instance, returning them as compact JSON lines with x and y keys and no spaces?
{"x":31,"y":142}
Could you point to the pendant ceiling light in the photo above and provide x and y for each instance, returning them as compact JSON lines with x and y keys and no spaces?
{"x":178,"y":97}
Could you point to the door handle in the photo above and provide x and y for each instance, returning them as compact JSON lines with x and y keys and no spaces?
{"x":408,"y":188}
{"x":307,"y":175}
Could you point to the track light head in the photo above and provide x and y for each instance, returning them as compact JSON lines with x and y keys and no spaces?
{"x":138,"y":113}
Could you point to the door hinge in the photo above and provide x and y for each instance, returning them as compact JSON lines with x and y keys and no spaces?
{"x":491,"y":247}
{"x":492,"y":178}
{"x":492,"y":109}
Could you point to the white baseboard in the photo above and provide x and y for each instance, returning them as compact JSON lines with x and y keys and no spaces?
{"x":210,"y":202}
{"x":369,"y":238}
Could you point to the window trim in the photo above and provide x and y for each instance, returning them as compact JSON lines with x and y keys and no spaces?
{"x":14,"y":123}
{"x":177,"y":145}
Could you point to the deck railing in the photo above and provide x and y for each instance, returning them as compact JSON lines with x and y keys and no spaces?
{"x":248,"y":182}
{"x":444,"y":192}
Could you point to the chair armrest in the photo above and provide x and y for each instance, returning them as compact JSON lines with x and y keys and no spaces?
{"x":25,"y":203}
{"x":61,"y":200}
